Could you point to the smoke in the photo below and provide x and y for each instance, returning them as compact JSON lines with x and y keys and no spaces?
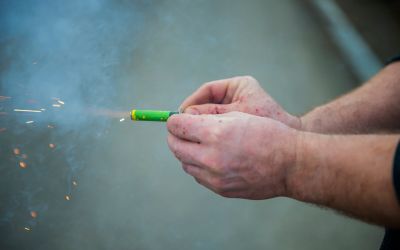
{"x":64,"y":49}
{"x":69,"y":51}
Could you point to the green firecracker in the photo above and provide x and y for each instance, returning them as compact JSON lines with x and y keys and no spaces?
{"x":151,"y":115}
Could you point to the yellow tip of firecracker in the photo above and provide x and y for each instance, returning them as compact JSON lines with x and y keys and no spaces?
{"x":133,"y":115}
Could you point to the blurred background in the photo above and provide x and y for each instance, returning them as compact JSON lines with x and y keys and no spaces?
{"x":75,"y":175}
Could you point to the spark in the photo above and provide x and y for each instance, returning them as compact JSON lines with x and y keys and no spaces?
{"x":4,"y":97}
{"x":50,"y":126}
{"x":28,"y":110}
{"x":43,"y":109}
{"x":60,"y":102}
{"x":67,"y":197}
{"x":51,"y":145}
{"x":27,"y":229}
{"x":56,"y":105}
{"x":22,"y":164}
{"x":16,"y":151}
{"x":75,"y":183}
{"x":34,"y":214}
{"x":29,"y":122}
{"x":122,"y":119}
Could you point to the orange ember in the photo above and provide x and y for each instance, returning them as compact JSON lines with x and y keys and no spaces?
{"x":22,"y":164}
{"x":34,"y":214}
{"x":16,"y":151}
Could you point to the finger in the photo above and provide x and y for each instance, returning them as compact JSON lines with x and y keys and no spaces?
{"x":211,"y":92}
{"x":189,"y":127}
{"x":186,"y":152}
{"x":211,"y":108}
{"x":194,"y":170}
{"x":200,"y":175}
{"x":229,"y":191}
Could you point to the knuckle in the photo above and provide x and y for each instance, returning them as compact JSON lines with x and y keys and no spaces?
{"x":208,"y":84}
{"x":198,"y":180}
{"x":227,"y":194}
{"x":185,"y":168}
{"x":178,"y":156}
{"x":218,"y":185}
{"x":246,"y":79}
{"x":249,"y":78}
{"x":193,"y":171}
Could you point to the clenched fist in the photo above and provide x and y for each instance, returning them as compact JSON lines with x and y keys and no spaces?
{"x":234,"y":154}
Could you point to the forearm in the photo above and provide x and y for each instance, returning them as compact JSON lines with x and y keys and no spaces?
{"x":352,"y":174}
{"x":373,"y":107}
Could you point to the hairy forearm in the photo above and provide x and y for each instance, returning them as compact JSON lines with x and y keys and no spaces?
{"x":352,"y":174}
{"x":373,"y":107}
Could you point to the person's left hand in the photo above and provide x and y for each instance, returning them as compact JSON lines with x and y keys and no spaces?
{"x":235,"y":154}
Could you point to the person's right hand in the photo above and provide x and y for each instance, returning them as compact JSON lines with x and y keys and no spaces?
{"x":242,"y":94}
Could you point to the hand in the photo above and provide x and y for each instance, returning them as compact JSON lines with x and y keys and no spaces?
{"x":242,"y":94}
{"x":236,"y":155}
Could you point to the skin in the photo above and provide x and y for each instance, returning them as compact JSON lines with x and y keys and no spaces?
{"x":220,"y":154}
{"x":237,"y":141}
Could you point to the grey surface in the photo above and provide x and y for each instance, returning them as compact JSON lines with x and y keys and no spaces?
{"x":131,"y":192}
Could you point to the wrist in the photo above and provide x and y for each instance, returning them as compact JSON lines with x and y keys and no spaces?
{"x":305,"y":123}
{"x":294,"y":149}
{"x":294,"y":122}
{"x":299,"y":174}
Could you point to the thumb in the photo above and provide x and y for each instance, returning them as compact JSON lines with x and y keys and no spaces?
{"x":211,"y":108}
